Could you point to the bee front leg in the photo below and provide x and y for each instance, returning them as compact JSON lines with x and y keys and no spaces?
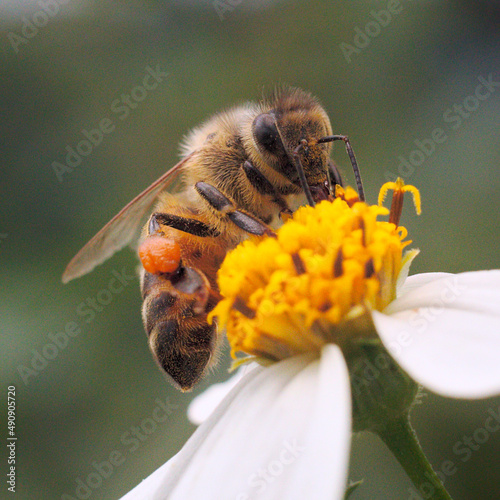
{"x":335,"y":177}
{"x":240,"y":218}
{"x":259,"y":181}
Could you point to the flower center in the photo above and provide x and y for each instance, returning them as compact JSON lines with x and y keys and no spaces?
{"x":317,"y":280}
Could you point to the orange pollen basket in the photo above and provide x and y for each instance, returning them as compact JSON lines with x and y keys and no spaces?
{"x":159,"y":255}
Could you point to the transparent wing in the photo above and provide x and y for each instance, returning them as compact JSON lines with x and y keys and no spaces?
{"x":121,"y":229}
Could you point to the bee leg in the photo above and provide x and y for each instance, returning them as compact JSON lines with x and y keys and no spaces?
{"x":191,"y":226}
{"x":263,"y":186}
{"x":242,"y":219}
{"x":257,"y":179}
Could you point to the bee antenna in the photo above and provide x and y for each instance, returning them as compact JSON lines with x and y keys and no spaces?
{"x":295,"y":160}
{"x":354,"y":163}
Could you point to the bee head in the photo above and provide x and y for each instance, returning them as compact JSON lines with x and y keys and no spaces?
{"x":287,"y":137}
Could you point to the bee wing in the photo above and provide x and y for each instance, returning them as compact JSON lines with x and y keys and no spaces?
{"x":121,"y":229}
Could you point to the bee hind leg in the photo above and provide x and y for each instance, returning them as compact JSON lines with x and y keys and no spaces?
{"x":177,"y":295}
{"x":159,"y":252}
{"x":240,"y":218}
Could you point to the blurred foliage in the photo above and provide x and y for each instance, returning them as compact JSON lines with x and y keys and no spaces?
{"x":64,"y":79}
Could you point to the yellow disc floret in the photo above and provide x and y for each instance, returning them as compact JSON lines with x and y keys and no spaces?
{"x":327,"y":268}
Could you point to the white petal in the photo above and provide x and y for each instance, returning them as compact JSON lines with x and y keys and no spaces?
{"x":151,"y":487}
{"x":474,"y":291}
{"x":418,"y":280}
{"x":202,"y":406}
{"x":408,"y":258}
{"x":282,"y":432}
{"x":446,"y":333}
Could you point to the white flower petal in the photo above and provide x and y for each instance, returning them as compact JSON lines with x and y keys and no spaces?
{"x":282,"y":432}
{"x":151,"y":487}
{"x":418,"y":280}
{"x":446,"y":333}
{"x":474,"y":291}
{"x":408,"y":258}
{"x":202,"y":406}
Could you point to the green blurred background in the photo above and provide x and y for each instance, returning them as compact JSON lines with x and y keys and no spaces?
{"x":66,"y":76}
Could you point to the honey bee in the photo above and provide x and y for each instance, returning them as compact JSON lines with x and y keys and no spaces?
{"x":241,"y":172}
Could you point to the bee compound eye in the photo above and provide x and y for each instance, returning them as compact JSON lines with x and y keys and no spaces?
{"x":265,"y":132}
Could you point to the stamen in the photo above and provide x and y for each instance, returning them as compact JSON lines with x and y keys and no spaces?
{"x":325,"y":306}
{"x":416,"y":198}
{"x":396,"y":207}
{"x":337,"y":265}
{"x":298,"y":263}
{"x":241,"y":307}
{"x":399,"y":189}
{"x":316,"y":283}
{"x":363,"y":231}
{"x":347,"y":194}
{"x":369,"y":268}
{"x":403,"y":232}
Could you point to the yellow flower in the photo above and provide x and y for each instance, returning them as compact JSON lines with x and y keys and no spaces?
{"x":327,"y":267}
{"x":332,"y":283}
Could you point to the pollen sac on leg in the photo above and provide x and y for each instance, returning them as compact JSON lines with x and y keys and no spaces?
{"x":159,"y":255}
